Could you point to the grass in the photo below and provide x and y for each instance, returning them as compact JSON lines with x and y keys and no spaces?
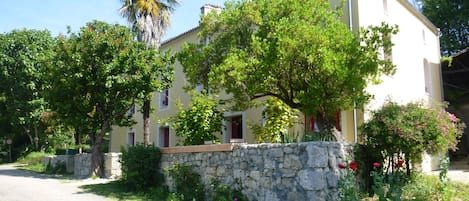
{"x":119,"y":191}
{"x":428,"y":187}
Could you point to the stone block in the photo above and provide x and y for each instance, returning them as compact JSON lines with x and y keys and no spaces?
{"x":317,"y":156}
{"x":310,"y":179}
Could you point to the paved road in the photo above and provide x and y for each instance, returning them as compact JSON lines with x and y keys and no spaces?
{"x":18,"y":185}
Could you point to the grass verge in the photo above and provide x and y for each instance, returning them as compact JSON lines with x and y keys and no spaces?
{"x":117,"y":190}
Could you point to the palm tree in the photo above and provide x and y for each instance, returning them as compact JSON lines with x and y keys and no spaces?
{"x":150,"y":19}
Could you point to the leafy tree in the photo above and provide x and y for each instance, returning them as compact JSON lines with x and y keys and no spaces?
{"x":22,"y":55}
{"x":98,"y":74}
{"x":453,"y":20}
{"x":150,"y":20}
{"x":297,"y":51}
{"x":200,"y":121}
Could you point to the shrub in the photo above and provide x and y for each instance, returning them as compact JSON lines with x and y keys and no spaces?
{"x":407,"y":131}
{"x":200,"y":122}
{"x":278,"y":118}
{"x":140,"y":167}
{"x":187,"y":183}
{"x":222,"y":192}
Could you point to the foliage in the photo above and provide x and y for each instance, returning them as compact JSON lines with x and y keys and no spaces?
{"x":187,"y":183}
{"x":319,"y":68}
{"x":97,"y":75}
{"x":452,"y":20}
{"x":348,"y":190}
{"x":444,"y":187}
{"x":200,"y":121}
{"x":388,"y":186}
{"x":23,"y":53}
{"x":140,"y":167}
{"x":411,"y":129}
{"x":32,"y":158}
{"x":222,"y":192}
{"x":278,"y":118}
{"x":58,"y":168}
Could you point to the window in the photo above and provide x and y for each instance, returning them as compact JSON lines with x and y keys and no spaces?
{"x":131,"y":138}
{"x":424,"y":38}
{"x":131,"y":111}
{"x":163,"y":136}
{"x":234,"y":127}
{"x":314,"y":125}
{"x":236,"y":124}
{"x":199,"y":88}
{"x":428,"y":78}
{"x":385,"y":7}
{"x":164,"y":98}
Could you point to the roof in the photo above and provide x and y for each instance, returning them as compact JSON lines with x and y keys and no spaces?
{"x":180,"y":35}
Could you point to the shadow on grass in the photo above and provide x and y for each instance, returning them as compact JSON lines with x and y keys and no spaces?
{"x":118,"y":190}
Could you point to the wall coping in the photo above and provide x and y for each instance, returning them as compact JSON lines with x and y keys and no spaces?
{"x":199,"y":148}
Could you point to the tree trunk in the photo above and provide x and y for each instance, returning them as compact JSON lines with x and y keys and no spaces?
{"x":146,"y":121}
{"x":96,"y":155}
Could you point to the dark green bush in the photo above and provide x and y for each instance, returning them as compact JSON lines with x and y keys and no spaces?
{"x":187,"y":183}
{"x":222,"y":192}
{"x":140,"y":167}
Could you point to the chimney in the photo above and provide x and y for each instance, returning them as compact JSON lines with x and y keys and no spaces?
{"x":207,"y":8}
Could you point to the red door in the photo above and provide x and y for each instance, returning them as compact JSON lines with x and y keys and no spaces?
{"x":237,"y":127}
{"x":166,"y":137}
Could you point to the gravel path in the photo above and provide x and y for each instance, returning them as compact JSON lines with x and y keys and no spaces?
{"x":18,"y":185}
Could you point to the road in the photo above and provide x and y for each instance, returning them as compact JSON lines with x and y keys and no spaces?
{"x":18,"y":185}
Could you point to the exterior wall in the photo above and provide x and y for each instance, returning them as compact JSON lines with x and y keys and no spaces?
{"x":270,"y":172}
{"x":416,"y":41}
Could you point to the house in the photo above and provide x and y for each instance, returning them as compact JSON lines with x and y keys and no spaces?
{"x":416,"y":54}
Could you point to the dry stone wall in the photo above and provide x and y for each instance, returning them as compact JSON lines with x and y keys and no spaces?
{"x":271,"y":172}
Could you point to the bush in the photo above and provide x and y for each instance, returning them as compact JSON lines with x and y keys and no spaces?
{"x":407,"y":131}
{"x":140,"y":167}
{"x":187,"y":183}
{"x":200,"y":122}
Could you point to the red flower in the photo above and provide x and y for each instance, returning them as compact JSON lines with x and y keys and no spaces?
{"x":353,"y":165}
{"x":399,"y":163}
{"x":376,"y":165}
{"x":342,"y":166}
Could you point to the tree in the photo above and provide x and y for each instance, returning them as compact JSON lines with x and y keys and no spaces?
{"x":297,"y":51}
{"x":98,"y":74}
{"x":150,"y":19}
{"x":453,"y":20}
{"x":22,"y":55}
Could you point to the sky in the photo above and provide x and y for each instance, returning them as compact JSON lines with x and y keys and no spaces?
{"x":56,"y":15}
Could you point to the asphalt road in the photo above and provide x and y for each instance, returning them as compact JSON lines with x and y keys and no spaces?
{"x":18,"y":185}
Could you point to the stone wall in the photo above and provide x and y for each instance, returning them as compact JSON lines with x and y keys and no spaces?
{"x":112,"y":165}
{"x":270,"y":172}
{"x":80,"y":164}
{"x":55,"y":160}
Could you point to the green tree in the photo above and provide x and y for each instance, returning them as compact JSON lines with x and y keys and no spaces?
{"x":22,"y":55}
{"x":297,"y":51}
{"x":453,"y":20}
{"x":98,"y":74}
{"x":200,"y":121}
{"x":150,"y":20}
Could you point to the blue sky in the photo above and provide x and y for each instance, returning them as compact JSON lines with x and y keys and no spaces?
{"x":56,"y":15}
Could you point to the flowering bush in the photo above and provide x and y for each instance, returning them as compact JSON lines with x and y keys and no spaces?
{"x":348,"y":190}
{"x":411,"y":130}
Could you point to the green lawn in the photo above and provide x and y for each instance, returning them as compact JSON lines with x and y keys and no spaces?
{"x":118,"y":191}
